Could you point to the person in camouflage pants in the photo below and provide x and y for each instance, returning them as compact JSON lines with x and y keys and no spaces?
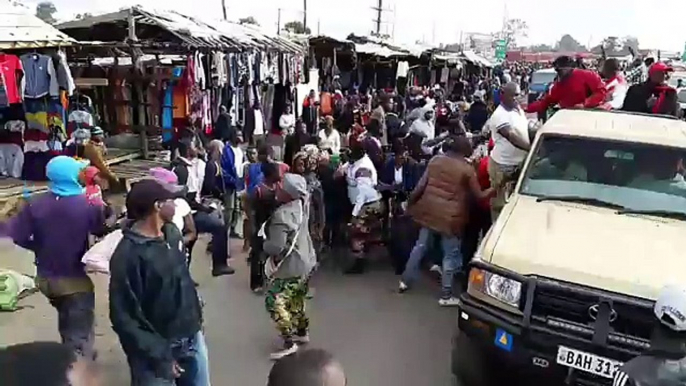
{"x":285,"y":303}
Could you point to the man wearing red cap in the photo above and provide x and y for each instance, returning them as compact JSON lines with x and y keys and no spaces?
{"x":653,"y":96}
{"x":574,"y":88}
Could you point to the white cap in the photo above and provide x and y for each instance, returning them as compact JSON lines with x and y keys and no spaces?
{"x":672,"y":303}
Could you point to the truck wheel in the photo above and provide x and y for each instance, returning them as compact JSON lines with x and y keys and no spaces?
{"x":469,"y":365}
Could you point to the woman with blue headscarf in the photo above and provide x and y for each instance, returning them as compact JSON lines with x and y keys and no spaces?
{"x":61,"y":277}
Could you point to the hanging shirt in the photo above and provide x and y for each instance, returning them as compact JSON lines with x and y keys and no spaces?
{"x":39,"y":76}
{"x":259,"y":123}
{"x":10,"y":68}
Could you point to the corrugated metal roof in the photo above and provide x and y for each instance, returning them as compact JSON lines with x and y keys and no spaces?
{"x":194,"y":31}
{"x":19,"y":28}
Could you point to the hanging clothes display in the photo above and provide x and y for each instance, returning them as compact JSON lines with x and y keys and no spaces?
{"x":167,"y":113}
{"x":40,"y":76}
{"x":11,"y":75}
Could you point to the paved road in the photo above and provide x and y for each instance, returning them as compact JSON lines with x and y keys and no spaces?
{"x":382,"y":338}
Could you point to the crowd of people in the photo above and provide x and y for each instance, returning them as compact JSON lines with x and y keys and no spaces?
{"x":423,"y":175}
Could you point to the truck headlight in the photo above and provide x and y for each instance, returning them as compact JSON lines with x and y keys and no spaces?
{"x":498,"y":287}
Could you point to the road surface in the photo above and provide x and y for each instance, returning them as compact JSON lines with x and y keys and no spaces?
{"x":381,"y":338}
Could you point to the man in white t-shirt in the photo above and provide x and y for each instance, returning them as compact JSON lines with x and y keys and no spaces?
{"x":510,"y":132}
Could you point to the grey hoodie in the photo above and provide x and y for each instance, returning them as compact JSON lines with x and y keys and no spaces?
{"x":282,"y":228}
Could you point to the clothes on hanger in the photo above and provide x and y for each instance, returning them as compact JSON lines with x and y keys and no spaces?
{"x":40,"y":76}
{"x":11,"y":75}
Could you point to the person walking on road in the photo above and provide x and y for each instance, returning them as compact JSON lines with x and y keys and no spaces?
{"x":61,"y":277}
{"x":291,"y":260}
{"x":154,"y":306}
{"x":439,"y":204}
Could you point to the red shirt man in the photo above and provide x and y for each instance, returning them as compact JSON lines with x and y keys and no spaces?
{"x":575,"y":88}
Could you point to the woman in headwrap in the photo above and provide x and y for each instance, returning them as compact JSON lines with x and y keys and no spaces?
{"x":306,"y":163}
{"x":367,"y":214}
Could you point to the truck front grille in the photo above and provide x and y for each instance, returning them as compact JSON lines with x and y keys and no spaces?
{"x":563,"y":304}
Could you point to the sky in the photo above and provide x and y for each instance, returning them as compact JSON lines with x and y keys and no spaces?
{"x":440,"y":21}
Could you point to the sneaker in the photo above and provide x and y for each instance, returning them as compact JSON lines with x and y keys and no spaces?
{"x":450,"y":302}
{"x":258,"y":291}
{"x":436,"y":269}
{"x":288,"y":349}
{"x":402,"y":287}
{"x":221,"y":271}
{"x":302,"y":339}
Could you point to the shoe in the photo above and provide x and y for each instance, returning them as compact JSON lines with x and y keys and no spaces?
{"x":450,"y":302}
{"x":221,"y":271}
{"x":357,"y":267}
{"x":436,"y":269}
{"x":402,"y":288}
{"x":288,"y":349}
{"x":302,"y":339}
{"x":258,"y":290}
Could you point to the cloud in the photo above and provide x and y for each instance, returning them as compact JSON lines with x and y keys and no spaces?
{"x":442,"y":21}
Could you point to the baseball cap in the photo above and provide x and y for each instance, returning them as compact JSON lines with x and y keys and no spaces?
{"x":670,"y":307}
{"x":660,"y":67}
{"x":143,"y":196}
{"x":168,"y":179}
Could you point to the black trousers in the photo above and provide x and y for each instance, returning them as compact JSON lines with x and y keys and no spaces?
{"x":256,"y":261}
{"x":479,"y":224}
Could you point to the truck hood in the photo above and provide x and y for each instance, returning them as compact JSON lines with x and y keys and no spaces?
{"x":593,"y":246}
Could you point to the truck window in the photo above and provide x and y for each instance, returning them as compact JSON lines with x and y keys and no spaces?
{"x":543,"y":77}
{"x":635,"y":176}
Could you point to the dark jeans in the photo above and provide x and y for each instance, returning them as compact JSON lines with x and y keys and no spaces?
{"x":479,"y":224}
{"x":191,"y":357}
{"x":76,"y":321}
{"x":212,"y":223}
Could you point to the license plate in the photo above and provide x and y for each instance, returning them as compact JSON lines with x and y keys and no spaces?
{"x":587,"y":362}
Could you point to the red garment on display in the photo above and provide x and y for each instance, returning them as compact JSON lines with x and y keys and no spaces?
{"x":10,"y":68}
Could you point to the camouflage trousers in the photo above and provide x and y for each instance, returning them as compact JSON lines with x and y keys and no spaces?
{"x":285,"y":303}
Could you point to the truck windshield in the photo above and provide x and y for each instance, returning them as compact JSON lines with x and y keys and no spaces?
{"x":637,"y":177}
{"x":543,"y":77}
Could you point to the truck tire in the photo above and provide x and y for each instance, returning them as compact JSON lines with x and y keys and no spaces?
{"x":469,"y":365}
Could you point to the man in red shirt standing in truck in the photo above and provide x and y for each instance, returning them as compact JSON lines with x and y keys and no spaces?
{"x":574,"y":88}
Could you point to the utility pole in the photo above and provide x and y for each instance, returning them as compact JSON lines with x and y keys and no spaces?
{"x":224,"y":9}
{"x":278,"y":22}
{"x":379,"y":11}
{"x":305,"y":15}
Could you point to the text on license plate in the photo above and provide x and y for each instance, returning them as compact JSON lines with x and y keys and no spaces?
{"x":587,"y":362}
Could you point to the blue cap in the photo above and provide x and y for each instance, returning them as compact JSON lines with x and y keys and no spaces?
{"x":63,"y":174}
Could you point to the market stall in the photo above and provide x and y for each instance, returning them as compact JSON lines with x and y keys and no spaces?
{"x":221,"y":64}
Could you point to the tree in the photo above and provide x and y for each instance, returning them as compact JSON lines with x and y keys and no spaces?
{"x":248,"y":20}
{"x":45,"y":11}
{"x":631,"y":41}
{"x":568,"y":44}
{"x":541,"y":48}
{"x":86,"y":15}
{"x":513,"y":30}
{"x":296,"y":27}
